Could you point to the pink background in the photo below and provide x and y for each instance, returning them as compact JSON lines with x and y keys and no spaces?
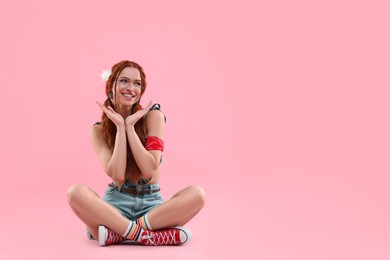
{"x":279,"y":109}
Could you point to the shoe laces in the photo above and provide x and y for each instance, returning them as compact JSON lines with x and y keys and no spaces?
{"x":164,"y":237}
{"x":113,"y":237}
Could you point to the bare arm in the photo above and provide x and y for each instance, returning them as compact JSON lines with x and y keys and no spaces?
{"x":147,"y":161}
{"x":112,"y":161}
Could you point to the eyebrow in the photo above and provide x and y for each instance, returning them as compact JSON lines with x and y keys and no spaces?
{"x":123,"y":77}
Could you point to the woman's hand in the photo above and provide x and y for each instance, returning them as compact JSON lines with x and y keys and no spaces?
{"x":131,"y":120}
{"x":115,"y":117}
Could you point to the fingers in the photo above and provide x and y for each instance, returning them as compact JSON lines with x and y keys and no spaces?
{"x":101,"y":106}
{"x":150,"y":104}
{"x":107,"y":110}
{"x":111,"y":109}
{"x":145,"y":110}
{"x":104,"y":108}
{"x":116,"y":118}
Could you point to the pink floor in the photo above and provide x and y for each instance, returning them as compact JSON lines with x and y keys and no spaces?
{"x":278,"y":109}
{"x":303,"y":213}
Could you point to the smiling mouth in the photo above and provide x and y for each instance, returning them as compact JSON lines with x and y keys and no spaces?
{"x":128,"y":95}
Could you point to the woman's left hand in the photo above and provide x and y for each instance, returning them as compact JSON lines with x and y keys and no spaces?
{"x":131,"y":120}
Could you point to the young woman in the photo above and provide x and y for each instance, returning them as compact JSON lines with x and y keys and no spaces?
{"x":129,"y":144}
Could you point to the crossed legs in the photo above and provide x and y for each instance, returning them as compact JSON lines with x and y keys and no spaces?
{"x":178,"y":210}
{"x":94,"y":211}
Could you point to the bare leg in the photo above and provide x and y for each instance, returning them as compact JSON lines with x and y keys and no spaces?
{"x":178,"y":210}
{"x":94,"y":211}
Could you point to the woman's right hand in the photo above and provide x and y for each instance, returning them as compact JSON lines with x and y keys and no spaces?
{"x":115,"y":117}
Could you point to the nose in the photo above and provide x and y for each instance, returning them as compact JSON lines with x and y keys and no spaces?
{"x":130,"y":85}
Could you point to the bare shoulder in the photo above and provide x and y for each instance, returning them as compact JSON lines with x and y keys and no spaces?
{"x":96,"y":131}
{"x":155,"y":116}
{"x":155,"y":121}
{"x":96,"y":137}
{"x":99,"y":145}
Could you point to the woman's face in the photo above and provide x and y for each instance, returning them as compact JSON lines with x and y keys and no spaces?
{"x":128,"y":87}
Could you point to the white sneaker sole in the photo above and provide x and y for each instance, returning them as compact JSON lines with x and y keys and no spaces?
{"x":102,"y":235}
{"x":185,"y":235}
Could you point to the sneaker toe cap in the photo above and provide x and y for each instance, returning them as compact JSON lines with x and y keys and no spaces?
{"x":185,"y":235}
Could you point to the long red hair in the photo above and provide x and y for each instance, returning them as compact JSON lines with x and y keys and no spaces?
{"x":133,"y":173}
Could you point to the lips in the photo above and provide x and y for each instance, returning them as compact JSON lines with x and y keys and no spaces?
{"x":128,"y":95}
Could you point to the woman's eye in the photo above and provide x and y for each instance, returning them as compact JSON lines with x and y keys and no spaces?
{"x":124,"y":81}
{"x":138,"y":84}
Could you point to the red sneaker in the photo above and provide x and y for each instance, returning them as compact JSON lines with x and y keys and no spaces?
{"x":171,"y":236}
{"x":108,"y":237}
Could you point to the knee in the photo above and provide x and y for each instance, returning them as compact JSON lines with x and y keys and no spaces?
{"x":75,"y":192}
{"x":198,"y":195}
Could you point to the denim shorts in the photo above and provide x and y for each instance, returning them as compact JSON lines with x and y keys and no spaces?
{"x":133,"y":206}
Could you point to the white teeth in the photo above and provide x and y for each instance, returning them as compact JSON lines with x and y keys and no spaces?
{"x":127,"y":95}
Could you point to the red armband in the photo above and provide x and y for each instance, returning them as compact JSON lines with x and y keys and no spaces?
{"x":154,"y":143}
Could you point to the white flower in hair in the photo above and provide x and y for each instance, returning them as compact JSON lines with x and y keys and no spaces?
{"x":105,"y":75}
